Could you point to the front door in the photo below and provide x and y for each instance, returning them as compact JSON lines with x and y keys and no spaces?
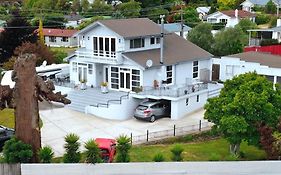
{"x":82,"y":73}
{"x":125,"y":79}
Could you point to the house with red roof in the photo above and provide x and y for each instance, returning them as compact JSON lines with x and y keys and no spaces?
{"x":60,"y":37}
{"x":230,"y":18}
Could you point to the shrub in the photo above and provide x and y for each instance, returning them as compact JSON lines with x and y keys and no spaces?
{"x":159,"y":157}
{"x":268,"y":42}
{"x":262,"y":19}
{"x":92,"y":152}
{"x":188,"y":138}
{"x":123,"y":147}
{"x":72,"y":145}
{"x":15,"y":151}
{"x":46,"y":154}
{"x":59,"y":55}
{"x":177,"y":152}
{"x":232,"y":157}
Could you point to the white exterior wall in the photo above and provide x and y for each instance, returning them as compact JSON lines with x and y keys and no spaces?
{"x":247,"y":6}
{"x":149,"y":75}
{"x":72,"y":42}
{"x":122,"y":111}
{"x":240,"y":67}
{"x":231,"y":22}
{"x":179,"y":108}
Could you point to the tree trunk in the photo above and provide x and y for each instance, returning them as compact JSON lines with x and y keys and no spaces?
{"x":234,"y":148}
{"x":26,"y":103}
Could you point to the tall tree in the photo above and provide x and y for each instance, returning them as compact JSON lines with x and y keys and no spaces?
{"x":130,"y":9}
{"x":202,"y":36}
{"x":76,"y":6}
{"x":246,"y":24}
{"x":17,"y":31}
{"x":245,"y":103}
{"x":270,"y":7}
{"x":85,"y":5}
{"x":100,"y":8}
{"x":229,"y":41}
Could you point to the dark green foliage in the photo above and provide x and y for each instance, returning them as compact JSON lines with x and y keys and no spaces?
{"x":244,"y":103}
{"x":246,"y":24}
{"x":46,"y":154}
{"x":92,"y":152}
{"x":14,"y":35}
{"x":270,"y":7}
{"x":177,"y":152}
{"x":50,"y":20}
{"x":88,"y":22}
{"x":123,"y":147}
{"x":154,"y":14}
{"x":129,"y":9}
{"x":201,"y":36}
{"x":262,"y":19}
{"x":229,"y":41}
{"x":159,"y":157}
{"x":15,"y":151}
{"x":273,"y":21}
{"x":71,"y":146}
{"x":268,"y":42}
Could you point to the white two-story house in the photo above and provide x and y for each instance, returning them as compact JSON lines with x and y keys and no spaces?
{"x":125,"y":53}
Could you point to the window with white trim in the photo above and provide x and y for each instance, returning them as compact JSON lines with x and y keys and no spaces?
{"x":136,"y":43}
{"x":64,"y":39}
{"x":74,"y":67}
{"x":195,"y":69}
{"x":197,"y":98}
{"x":114,"y":77}
{"x":186,"y":102}
{"x":229,"y":70}
{"x":169,"y":73}
{"x":90,"y":69}
{"x":52,"y":39}
{"x":135,"y":79}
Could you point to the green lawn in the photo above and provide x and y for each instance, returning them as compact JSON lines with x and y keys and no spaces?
{"x":201,"y":151}
{"x":7,"y":118}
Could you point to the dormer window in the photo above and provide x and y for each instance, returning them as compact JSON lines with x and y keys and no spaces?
{"x":136,"y":43}
{"x":154,"y":40}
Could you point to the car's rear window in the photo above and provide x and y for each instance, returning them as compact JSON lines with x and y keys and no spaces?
{"x":141,"y":107}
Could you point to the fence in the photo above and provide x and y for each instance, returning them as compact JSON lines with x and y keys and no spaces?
{"x":175,"y":131}
{"x":274,"y":49}
{"x":10,"y":169}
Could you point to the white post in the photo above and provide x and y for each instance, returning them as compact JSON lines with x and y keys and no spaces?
{"x":162,"y":39}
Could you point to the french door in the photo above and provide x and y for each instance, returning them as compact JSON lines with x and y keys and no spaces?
{"x":82,"y":73}
{"x":125,"y":79}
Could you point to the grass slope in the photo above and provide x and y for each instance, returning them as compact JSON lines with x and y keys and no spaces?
{"x":7,"y":118}
{"x":203,"y":151}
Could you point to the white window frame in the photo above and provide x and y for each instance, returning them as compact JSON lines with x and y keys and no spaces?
{"x":172,"y":73}
{"x":194,"y":72}
{"x":187,"y":102}
{"x":229,"y":69}
{"x":198,"y":98}
{"x":64,"y":39}
{"x":74,"y":67}
{"x":90,"y":69}
{"x":52,"y":39}
{"x":142,"y":44}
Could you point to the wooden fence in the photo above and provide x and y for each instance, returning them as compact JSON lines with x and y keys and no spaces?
{"x":10,"y":169}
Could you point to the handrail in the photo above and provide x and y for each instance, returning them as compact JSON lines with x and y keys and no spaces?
{"x":108,"y":101}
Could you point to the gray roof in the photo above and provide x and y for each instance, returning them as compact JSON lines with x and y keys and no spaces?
{"x":265,"y":59}
{"x":274,"y":29}
{"x":176,"y":49}
{"x":175,"y":27}
{"x":263,"y":2}
{"x":128,"y":28}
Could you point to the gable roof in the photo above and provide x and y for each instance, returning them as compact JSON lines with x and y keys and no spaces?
{"x":175,"y":27}
{"x":203,"y":9}
{"x":59,"y":32}
{"x":265,"y":59}
{"x":241,"y":13}
{"x":128,"y":28}
{"x":176,"y":49}
{"x":260,"y":2}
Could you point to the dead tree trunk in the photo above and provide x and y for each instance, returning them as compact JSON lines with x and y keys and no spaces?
{"x":26,"y":103}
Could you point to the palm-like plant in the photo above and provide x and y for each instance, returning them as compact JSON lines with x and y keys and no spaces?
{"x":46,"y":154}
{"x":123,"y":147}
{"x":72,"y":145}
{"x":92,"y":152}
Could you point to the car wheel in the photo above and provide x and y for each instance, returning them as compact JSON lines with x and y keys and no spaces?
{"x":152,"y":118}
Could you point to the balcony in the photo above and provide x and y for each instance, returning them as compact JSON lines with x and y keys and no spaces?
{"x":98,"y":56}
{"x":171,"y":91}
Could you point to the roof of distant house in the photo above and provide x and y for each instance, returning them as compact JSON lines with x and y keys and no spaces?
{"x":176,"y":49}
{"x":260,"y":2}
{"x":265,"y":59}
{"x":59,"y":32}
{"x":241,"y":13}
{"x":128,"y":28}
{"x":175,"y":27}
{"x":73,"y":17}
{"x":203,"y":9}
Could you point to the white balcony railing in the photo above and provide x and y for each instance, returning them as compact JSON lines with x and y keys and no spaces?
{"x":98,"y":55}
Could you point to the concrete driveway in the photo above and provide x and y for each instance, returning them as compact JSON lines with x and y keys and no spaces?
{"x":58,"y":121}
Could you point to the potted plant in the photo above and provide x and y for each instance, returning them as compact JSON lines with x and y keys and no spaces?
{"x":83,"y":85}
{"x":104,"y":88}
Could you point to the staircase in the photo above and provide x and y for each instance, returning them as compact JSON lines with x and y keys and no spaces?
{"x":94,"y":97}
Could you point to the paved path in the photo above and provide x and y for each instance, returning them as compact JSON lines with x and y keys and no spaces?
{"x":59,"y":121}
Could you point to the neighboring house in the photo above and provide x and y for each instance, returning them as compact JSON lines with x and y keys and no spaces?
{"x":263,"y":34}
{"x":229,"y":17}
{"x":73,"y":20}
{"x":176,"y":28}
{"x":263,"y":63}
{"x":202,"y":11}
{"x":249,"y":4}
{"x":60,"y":37}
{"x":125,"y":53}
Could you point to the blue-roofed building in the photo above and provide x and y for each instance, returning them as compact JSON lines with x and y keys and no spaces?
{"x":176,"y":28}
{"x":249,"y":4}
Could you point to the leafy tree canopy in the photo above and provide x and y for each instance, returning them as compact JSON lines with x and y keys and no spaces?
{"x":130,"y":9}
{"x":245,"y":102}
{"x":201,"y":36}
{"x":246,"y":24}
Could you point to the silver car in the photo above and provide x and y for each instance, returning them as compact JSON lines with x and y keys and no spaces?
{"x":152,"y":110}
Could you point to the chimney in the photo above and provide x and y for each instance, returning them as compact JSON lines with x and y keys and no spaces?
{"x":162,"y":39}
{"x":236,"y":13}
{"x":278,"y":24}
